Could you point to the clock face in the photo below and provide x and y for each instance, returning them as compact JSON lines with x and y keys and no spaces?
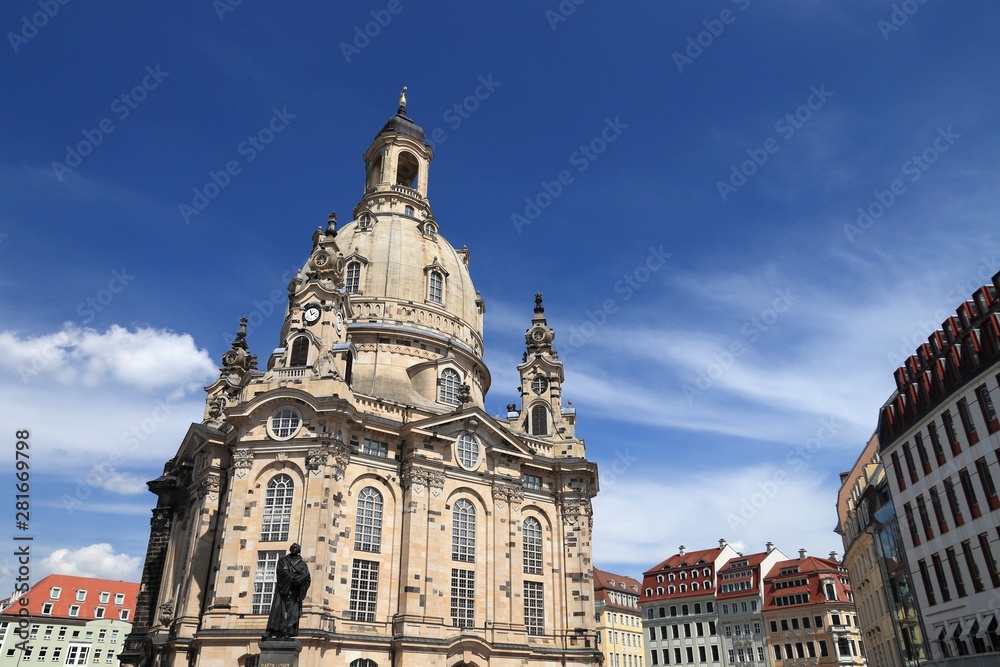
{"x":229,"y":358}
{"x":311,"y":314}
{"x":538,"y":334}
{"x":539,"y":384}
{"x":340,"y":321}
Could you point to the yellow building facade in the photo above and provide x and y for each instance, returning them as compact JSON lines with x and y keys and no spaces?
{"x":435,"y":533}
{"x":619,"y":622}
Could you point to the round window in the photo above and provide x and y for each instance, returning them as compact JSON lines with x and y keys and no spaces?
{"x":467,"y":451}
{"x":284,"y":424}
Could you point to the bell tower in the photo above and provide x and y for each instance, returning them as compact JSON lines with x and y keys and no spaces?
{"x":542,"y":414}
{"x":396,"y":167}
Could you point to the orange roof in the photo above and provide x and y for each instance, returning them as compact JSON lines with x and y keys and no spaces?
{"x":70,"y":588}
{"x":748,"y":564}
{"x":813,"y":570}
{"x":676,"y":564}
{"x":608,"y":581}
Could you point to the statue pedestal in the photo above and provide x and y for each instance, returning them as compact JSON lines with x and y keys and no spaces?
{"x":279,"y":653}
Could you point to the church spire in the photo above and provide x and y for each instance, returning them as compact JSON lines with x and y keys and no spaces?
{"x":539,"y":337}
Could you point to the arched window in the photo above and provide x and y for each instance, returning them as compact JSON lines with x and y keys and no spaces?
{"x":448,"y":385}
{"x":277,"y":509}
{"x":435,"y":287}
{"x":683,"y":588}
{"x":408,"y":210}
{"x":300,"y":352}
{"x":407,"y":169}
{"x":375,"y":172}
{"x":539,"y":420}
{"x":352,"y":279}
{"x":363,"y":662}
{"x":368,"y":529}
{"x":694,"y":585}
{"x":532,"y":531}
{"x":463,"y":531}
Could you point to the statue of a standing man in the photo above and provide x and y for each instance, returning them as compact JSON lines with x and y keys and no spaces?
{"x":290,"y":589}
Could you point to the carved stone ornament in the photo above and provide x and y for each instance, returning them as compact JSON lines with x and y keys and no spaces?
{"x":435,"y":482}
{"x":571,"y":512}
{"x":316,"y":459}
{"x":341,"y":457}
{"x":209,"y":486}
{"x":504,"y":493}
{"x":166,"y":612}
{"x":242,"y":461}
{"x":418,"y":479}
{"x":161,"y":518}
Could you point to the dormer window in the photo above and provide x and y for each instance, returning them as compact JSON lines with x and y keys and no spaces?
{"x":408,"y":210}
{"x":435,"y":287}
{"x":448,"y":386}
{"x":352,"y":278}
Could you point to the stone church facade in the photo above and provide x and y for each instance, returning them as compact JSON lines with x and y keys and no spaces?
{"x":436,"y":534}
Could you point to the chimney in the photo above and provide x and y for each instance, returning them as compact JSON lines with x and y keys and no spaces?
{"x":722,"y":542}
{"x":680,"y":550}
{"x":769,"y":546}
{"x":833,"y":556}
{"x":802,"y":554}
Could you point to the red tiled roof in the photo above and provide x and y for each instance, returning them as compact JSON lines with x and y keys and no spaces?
{"x":692,"y":560}
{"x":752,"y":569}
{"x":813,"y":570}
{"x":608,"y":581}
{"x":69,"y":586}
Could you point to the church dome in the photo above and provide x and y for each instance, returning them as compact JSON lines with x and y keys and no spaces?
{"x":399,"y":269}
{"x":401,"y":123}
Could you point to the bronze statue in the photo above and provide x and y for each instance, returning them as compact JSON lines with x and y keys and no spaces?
{"x":289,"y":591}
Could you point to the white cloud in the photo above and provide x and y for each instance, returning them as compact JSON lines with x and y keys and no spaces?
{"x":144,"y":359}
{"x":95,"y":560}
{"x":639,"y":522}
{"x":119,"y":399}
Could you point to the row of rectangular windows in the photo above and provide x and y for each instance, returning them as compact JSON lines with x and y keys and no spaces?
{"x":986,"y":483}
{"x":948,"y":422}
{"x":81,"y":595}
{"x":74,"y":611}
{"x":675,"y":630}
{"x":629,"y":661}
{"x":101,"y":635}
{"x":696,"y":607}
{"x":679,"y":656}
{"x":955,"y":569}
{"x":75,"y":655}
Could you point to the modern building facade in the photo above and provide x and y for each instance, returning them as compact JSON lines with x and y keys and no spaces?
{"x":892,"y":629}
{"x":809,"y":614}
{"x":619,"y":624}
{"x":70,"y":621}
{"x":939,"y":440}
{"x":436,"y":534}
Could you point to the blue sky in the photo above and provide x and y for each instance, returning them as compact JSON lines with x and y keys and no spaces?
{"x":743,"y":216}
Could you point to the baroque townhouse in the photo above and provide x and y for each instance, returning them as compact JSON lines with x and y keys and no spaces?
{"x":619,"y":625}
{"x":678,"y":606}
{"x":70,"y":620}
{"x":740,"y":606}
{"x":809,"y":614}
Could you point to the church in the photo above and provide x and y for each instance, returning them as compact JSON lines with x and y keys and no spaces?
{"x":435,"y":534}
